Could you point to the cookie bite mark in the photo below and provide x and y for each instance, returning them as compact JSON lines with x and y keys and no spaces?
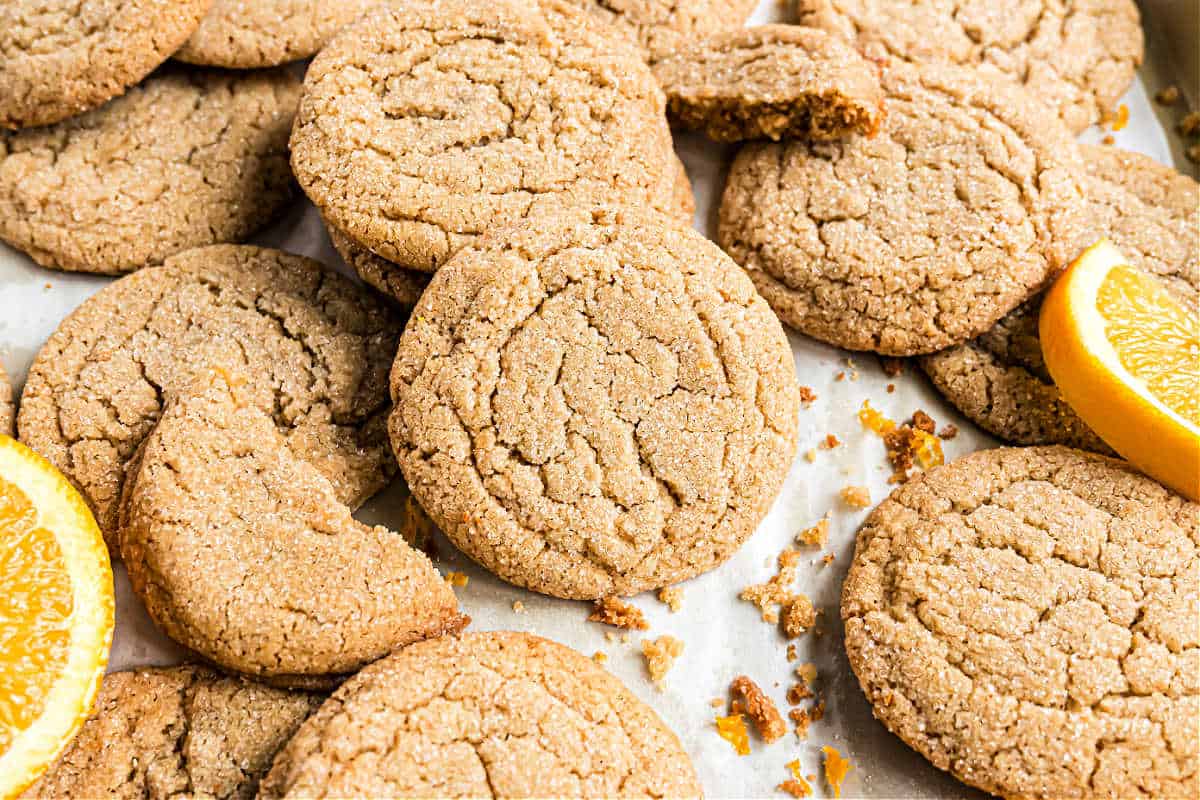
{"x":242,"y":551}
{"x":920,"y":237}
{"x":594,"y":403}
{"x":156,"y":733}
{"x":1034,"y":601}
{"x":493,"y":714}
{"x":771,"y":82}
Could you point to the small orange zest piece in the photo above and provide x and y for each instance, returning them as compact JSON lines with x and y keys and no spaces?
{"x":733,"y":730}
{"x":836,"y":769}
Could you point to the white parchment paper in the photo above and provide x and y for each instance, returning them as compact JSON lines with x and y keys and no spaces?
{"x":723,"y":635}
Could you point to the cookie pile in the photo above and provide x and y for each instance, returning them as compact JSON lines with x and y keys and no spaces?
{"x":587,"y":396}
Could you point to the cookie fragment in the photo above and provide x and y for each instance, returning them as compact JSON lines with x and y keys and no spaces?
{"x":404,"y":286}
{"x":773,"y":82}
{"x":920,"y":237}
{"x":185,"y":159}
{"x":242,"y":552}
{"x":759,"y":707}
{"x":266,"y":33}
{"x":1019,"y":600}
{"x":425,"y":123}
{"x":493,"y":714}
{"x":630,"y":413}
{"x":159,"y":733}
{"x":63,"y":57}
{"x":1077,"y":57}
{"x":315,"y":348}
{"x":6,"y":406}
{"x":998,"y":380}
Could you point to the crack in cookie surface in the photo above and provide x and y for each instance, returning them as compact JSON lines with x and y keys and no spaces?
{"x":1076,"y":56}
{"x":424,"y":124}
{"x":483,"y":715}
{"x":314,"y":347}
{"x":589,"y":406}
{"x":920,"y":237}
{"x":183,"y":160}
{"x":1024,"y":618}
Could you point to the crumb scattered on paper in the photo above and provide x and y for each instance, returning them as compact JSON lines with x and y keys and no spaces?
{"x":672,"y":596}
{"x":807,"y":395}
{"x":775,"y":593}
{"x":856,"y":496}
{"x":518,"y":607}
{"x":1167,"y":96}
{"x":458,"y":578}
{"x":599,"y":657}
{"x":892,"y":367}
{"x":799,"y":616}
{"x":614,"y":611}
{"x":760,"y":708}
{"x":660,"y":655}
{"x":816,"y":536}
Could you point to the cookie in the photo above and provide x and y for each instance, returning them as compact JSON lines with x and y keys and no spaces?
{"x":59,"y":58}
{"x":424,"y":123}
{"x":1025,"y":618}
{"x":1076,"y":56}
{"x":6,"y":406}
{"x":180,"y":731}
{"x":185,"y":159}
{"x":920,"y":237}
{"x":242,"y":551}
{"x":493,"y":714}
{"x":594,"y":403}
{"x":773,"y":82}
{"x":315,"y":347}
{"x":998,"y":380}
{"x":266,"y":33}
{"x":660,"y":27}
{"x":404,"y":286}
{"x":684,"y":206}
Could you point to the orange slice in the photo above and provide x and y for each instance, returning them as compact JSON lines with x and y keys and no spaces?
{"x":56,"y":614}
{"x":1126,"y":356}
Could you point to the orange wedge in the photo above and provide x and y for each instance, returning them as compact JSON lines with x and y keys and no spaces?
{"x":56,"y":614}
{"x":1126,"y":356}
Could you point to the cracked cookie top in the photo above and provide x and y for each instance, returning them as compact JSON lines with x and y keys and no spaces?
{"x":425,"y":123}
{"x":1076,"y":56}
{"x":494,"y":714}
{"x":266,"y":33}
{"x":59,"y":58}
{"x":1152,"y":214}
{"x":187,"y":158}
{"x":6,"y":406}
{"x":920,"y":237}
{"x":661,"y":27}
{"x":594,"y":403}
{"x":1025,"y":618}
{"x":180,"y":731}
{"x":242,"y":551}
{"x":315,"y":348}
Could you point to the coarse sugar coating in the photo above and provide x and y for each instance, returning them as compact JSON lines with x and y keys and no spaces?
{"x":424,"y":123}
{"x":493,"y":714}
{"x":917,"y":238}
{"x":661,"y":27}
{"x":314,"y":347}
{"x":594,"y":403}
{"x":1025,"y":619}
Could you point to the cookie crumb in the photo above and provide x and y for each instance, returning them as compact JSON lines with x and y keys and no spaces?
{"x":792,"y":652}
{"x":923,"y":422}
{"x":810,"y":455}
{"x":841,"y":376}
{"x":836,"y":769}
{"x":774,"y":592}
{"x":599,"y":657}
{"x":807,"y":673}
{"x":798,"y":617}
{"x":801,"y":719}
{"x":672,"y":596}
{"x":891,"y":387}
{"x":892,"y":367}
{"x":1108,"y":138}
{"x":948,"y":431}
{"x":611,"y":637}
{"x":907,"y":445}
{"x":1167,"y":96}
{"x":733,"y":730}
{"x":613,"y":611}
{"x":856,"y":496}
{"x":1190,"y":125}
{"x":660,"y":655}
{"x":518,"y":607}
{"x":816,"y":536}
{"x":717,"y":702}
{"x":760,"y":708}
{"x":459,"y":579}
{"x":1193,"y":153}
{"x":829,"y":442}
{"x":827,"y":559}
{"x":807,"y":395}
{"x":797,"y":693}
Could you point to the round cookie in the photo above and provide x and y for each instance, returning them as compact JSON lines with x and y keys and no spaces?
{"x":185,"y":159}
{"x":920,"y":237}
{"x":493,"y":714}
{"x":242,"y":551}
{"x":424,"y":123}
{"x":180,"y":731}
{"x":1152,"y":214}
{"x":594,"y":403}
{"x":1025,"y":618}
{"x":404,"y":286}
{"x":661,"y":27}
{"x":315,"y":347}
{"x":59,"y":58}
{"x":266,"y":33}
{"x":1076,"y":56}
{"x":6,"y":406}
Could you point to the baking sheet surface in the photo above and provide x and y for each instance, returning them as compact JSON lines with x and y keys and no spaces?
{"x":723,"y":636}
